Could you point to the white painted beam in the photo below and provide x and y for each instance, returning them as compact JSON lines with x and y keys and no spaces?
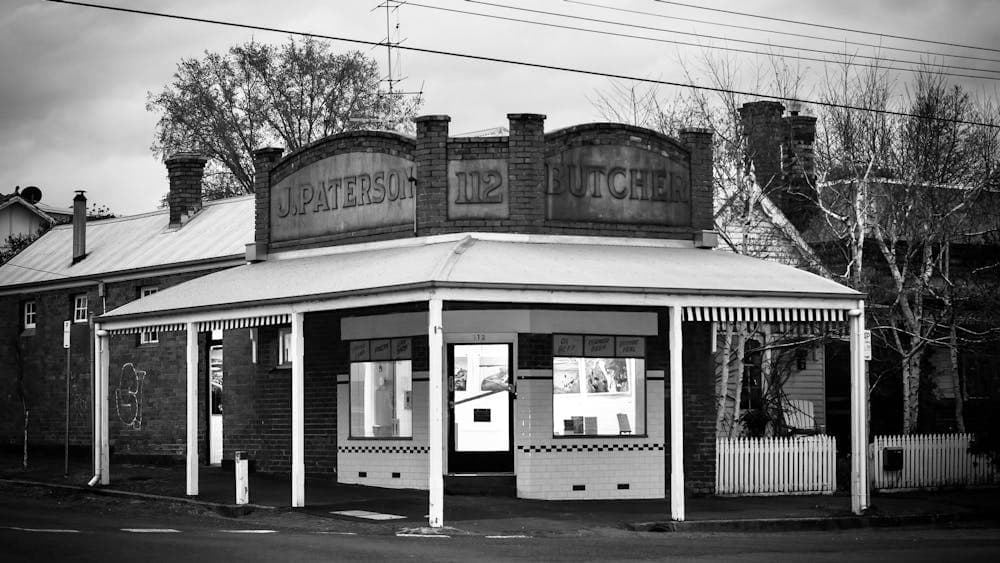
{"x":298,"y":411}
{"x":435,"y":335}
{"x":859,"y":412}
{"x":192,"y":410}
{"x":676,"y":417}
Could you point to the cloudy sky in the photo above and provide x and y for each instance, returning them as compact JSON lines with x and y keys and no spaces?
{"x":75,"y":80}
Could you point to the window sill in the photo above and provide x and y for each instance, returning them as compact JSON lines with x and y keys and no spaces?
{"x":28,"y":331}
{"x":380,"y":439}
{"x":148,"y":345}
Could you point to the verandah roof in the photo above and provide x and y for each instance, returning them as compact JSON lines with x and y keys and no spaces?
{"x":502,"y":262}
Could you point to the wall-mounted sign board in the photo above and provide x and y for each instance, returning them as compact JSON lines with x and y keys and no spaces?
{"x":343,"y":193}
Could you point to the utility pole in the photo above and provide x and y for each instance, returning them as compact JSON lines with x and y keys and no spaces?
{"x":67,"y":325}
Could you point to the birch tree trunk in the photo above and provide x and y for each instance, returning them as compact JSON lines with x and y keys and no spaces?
{"x":724,"y":380}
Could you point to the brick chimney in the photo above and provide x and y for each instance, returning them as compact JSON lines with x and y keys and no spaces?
{"x":781,"y":149}
{"x":762,"y":129}
{"x":797,"y":162}
{"x":185,"y":171}
{"x":79,"y":226}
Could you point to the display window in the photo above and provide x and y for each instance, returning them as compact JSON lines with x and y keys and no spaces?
{"x":381,"y":399}
{"x":598,"y":386}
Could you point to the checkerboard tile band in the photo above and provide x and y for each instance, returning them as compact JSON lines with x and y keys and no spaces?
{"x":549,"y":448}
{"x":383,"y":449}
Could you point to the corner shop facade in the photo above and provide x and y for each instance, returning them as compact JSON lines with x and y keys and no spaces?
{"x":538,"y":305}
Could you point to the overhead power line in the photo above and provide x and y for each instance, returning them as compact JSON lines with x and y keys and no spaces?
{"x":526,"y":64}
{"x":786,"y":33}
{"x":703,"y":45}
{"x":824,"y":26}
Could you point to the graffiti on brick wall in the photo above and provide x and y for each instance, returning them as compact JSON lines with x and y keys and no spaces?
{"x":128,"y":396}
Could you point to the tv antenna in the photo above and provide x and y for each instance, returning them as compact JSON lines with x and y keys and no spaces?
{"x":392,"y":78}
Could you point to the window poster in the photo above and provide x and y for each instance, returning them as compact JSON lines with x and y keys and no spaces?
{"x":565,"y":375}
{"x":607,"y":375}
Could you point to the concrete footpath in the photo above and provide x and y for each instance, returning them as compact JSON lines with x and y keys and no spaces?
{"x":406,"y":509}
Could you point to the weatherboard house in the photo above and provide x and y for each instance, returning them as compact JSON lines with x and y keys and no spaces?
{"x":414,"y":311}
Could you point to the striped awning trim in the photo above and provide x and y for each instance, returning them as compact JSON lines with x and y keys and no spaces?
{"x":770,"y":315}
{"x":206,"y":326}
{"x":171,"y":327}
{"x":248,"y":322}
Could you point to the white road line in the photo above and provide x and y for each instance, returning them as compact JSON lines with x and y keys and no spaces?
{"x":367,"y":514}
{"x":249,"y":531}
{"x":402,"y":535}
{"x":151,"y":530}
{"x":50,"y":530}
{"x":508,"y":537}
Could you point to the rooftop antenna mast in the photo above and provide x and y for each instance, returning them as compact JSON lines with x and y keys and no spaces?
{"x":391,"y":79}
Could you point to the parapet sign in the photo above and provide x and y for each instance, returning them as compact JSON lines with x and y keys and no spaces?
{"x":617,"y":184}
{"x":592,"y":179}
{"x":343,"y":193}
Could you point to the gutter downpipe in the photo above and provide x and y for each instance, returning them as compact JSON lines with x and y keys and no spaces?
{"x":100,"y":425}
{"x":96,"y":390}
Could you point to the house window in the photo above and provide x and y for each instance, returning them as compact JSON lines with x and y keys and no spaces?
{"x":285,"y":347}
{"x":30,"y":314}
{"x":148,"y":337}
{"x":752,"y":393}
{"x":381,"y":399}
{"x":80,"y":308}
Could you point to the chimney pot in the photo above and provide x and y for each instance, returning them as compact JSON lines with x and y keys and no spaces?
{"x":79,"y":226}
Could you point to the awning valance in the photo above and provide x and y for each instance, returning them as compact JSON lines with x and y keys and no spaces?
{"x":766,"y":314}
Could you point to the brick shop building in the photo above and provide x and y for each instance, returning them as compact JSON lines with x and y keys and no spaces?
{"x":416,"y":311}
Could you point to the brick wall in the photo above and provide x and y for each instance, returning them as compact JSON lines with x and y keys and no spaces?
{"x":162,"y":396}
{"x":39,"y":356}
{"x":699,"y":408}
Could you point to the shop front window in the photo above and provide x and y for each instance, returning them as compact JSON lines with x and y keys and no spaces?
{"x":381,"y":403}
{"x":598,"y":395}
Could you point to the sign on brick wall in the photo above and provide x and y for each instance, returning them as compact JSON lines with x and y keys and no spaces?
{"x":478,"y":189}
{"x":618,"y":184}
{"x":343,"y":193}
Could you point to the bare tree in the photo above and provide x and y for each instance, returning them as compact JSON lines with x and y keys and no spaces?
{"x":905,"y":188}
{"x":227,"y":105}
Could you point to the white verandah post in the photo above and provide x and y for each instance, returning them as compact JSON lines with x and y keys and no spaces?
{"x":101,"y":368}
{"x":859,"y":412}
{"x":298,"y":411}
{"x":435,"y":390}
{"x":676,"y":417}
{"x":192,"y":409}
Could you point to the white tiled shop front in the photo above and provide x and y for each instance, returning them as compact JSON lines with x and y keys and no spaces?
{"x":599,"y":467}
{"x":383,"y":462}
{"x":546,"y":466}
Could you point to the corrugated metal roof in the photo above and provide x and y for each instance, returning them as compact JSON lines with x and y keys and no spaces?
{"x":220,"y":230}
{"x":488,"y":262}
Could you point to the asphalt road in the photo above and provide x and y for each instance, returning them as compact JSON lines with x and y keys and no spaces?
{"x":39,"y":526}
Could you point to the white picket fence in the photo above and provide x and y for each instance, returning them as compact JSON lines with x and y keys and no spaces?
{"x":929,"y":460}
{"x":776,"y":466}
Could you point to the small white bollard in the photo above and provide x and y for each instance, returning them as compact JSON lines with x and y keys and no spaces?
{"x":242,"y":479}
